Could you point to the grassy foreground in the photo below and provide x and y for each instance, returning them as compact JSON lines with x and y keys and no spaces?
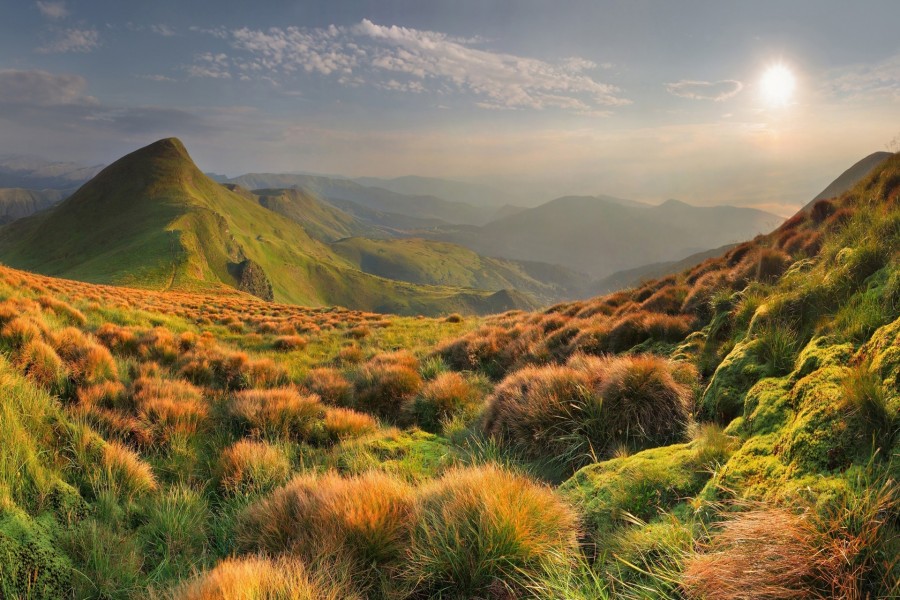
{"x":730,"y":432}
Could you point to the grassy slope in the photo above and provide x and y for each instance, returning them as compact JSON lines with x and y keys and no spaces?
{"x":800,"y":373}
{"x":441,"y":263}
{"x":154,"y":220}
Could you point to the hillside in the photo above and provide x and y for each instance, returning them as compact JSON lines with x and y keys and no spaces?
{"x":729,"y":431}
{"x":470,"y":193}
{"x":850,"y":177}
{"x":16,"y":203}
{"x":601,"y":235}
{"x":373,"y":198}
{"x":429,"y":262}
{"x":320,"y":219}
{"x":152,"y":219}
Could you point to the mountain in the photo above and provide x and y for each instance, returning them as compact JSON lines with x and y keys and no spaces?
{"x":20,"y":171}
{"x":320,"y":219}
{"x":602,"y":235}
{"x":16,"y":203}
{"x":430,"y":262}
{"x":470,"y":193}
{"x":374,"y":198}
{"x":629,"y":278}
{"x":851,"y":177}
{"x":153,"y":220}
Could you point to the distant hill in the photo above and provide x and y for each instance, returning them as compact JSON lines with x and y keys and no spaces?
{"x":153,"y":220}
{"x":321,"y":220}
{"x":851,"y":177}
{"x":373,"y":198}
{"x":16,"y":203}
{"x":470,"y":193}
{"x":602,"y":235}
{"x":31,"y":172}
{"x":630,"y":278}
{"x":430,"y":262}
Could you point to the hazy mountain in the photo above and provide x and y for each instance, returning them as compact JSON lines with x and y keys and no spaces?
{"x":374,"y":198}
{"x":602,"y":235}
{"x":16,"y":203}
{"x":31,"y":172}
{"x":851,"y":177}
{"x":471,"y":193}
{"x":431,"y":262}
{"x":153,"y":220}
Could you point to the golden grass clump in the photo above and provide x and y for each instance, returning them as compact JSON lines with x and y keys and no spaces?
{"x":487,"y":532}
{"x":367,"y":518}
{"x":344,"y":423}
{"x":40,"y":363}
{"x":168,"y":406}
{"x":282,"y":413}
{"x":591,"y":406}
{"x":126,"y":472}
{"x":88,"y":361}
{"x":386,"y":383}
{"x":762,"y":553}
{"x":260,"y":578}
{"x":249,"y":466}
{"x":288,"y":343}
{"x":446,"y":395}
{"x":19,"y":331}
{"x":331,"y":386}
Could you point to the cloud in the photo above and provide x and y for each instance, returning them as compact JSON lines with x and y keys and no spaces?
{"x":53,"y":10}
{"x":717,"y":91}
{"x":417,"y":61}
{"x":209,"y":65}
{"x":163,"y":30}
{"x":156,"y":77}
{"x":40,"y":88}
{"x":73,"y":40}
{"x":866,"y":81}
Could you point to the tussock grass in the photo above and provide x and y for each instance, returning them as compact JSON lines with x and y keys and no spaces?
{"x":249,"y":467}
{"x":259,"y":578}
{"x":486,"y":532}
{"x":282,"y":413}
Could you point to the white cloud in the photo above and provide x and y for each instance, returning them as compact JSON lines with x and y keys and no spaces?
{"x":73,"y":40}
{"x":156,"y":77}
{"x":717,"y":91}
{"x":866,"y":81}
{"x":40,"y":88}
{"x":53,"y":10}
{"x":209,"y":65}
{"x":412,"y":60}
{"x":163,"y":30}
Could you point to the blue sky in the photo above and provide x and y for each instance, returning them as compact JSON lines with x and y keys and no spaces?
{"x":646,"y":100}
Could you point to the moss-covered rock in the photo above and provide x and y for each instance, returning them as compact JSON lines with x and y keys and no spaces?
{"x":723,"y":399}
{"x":31,"y":565}
{"x":644,"y":485}
{"x":819,"y":437}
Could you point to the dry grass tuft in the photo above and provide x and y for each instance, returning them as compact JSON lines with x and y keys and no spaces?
{"x":368,"y":517}
{"x":248,"y":467}
{"x":260,"y":578}
{"x":343,"y":423}
{"x":484,"y":532}
{"x":282,"y":413}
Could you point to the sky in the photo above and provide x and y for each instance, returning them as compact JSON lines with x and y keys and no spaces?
{"x":712,"y":102}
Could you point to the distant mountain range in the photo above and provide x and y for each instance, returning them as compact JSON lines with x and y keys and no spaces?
{"x":153,"y":220}
{"x":31,"y":172}
{"x":601,"y":235}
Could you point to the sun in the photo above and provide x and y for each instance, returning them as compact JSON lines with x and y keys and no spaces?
{"x":777,"y":85}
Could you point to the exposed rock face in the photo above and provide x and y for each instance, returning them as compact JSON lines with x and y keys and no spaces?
{"x":253,"y":280}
